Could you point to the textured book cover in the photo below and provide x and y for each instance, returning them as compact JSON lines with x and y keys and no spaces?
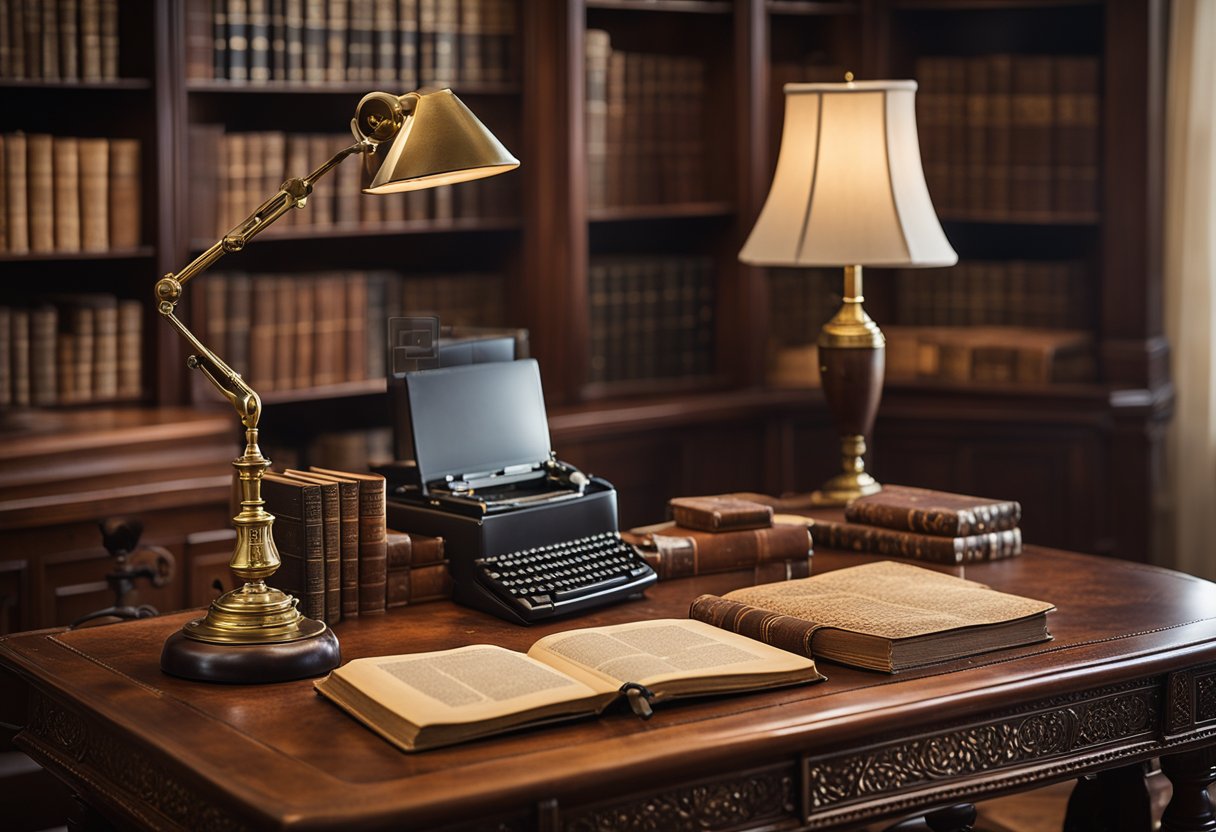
{"x":238,"y":40}
{"x":67,"y":194}
{"x":300,"y":538}
{"x":338,"y":25}
{"x":429,"y":583}
{"x":17,"y":221}
{"x":125,"y":194}
{"x":856,"y":537}
{"x":332,"y":537}
{"x":717,"y":513}
{"x":109,"y":40}
{"x":69,"y":35}
{"x":130,"y":348}
{"x":398,"y":549}
{"x":347,"y":526}
{"x":931,"y":512}
{"x":407,"y":43}
{"x":373,"y":552}
{"x":40,"y":166}
{"x":676,"y":552}
{"x":259,"y":40}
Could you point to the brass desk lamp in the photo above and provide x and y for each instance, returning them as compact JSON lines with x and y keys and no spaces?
{"x":849,"y":190}
{"x":255,"y":633}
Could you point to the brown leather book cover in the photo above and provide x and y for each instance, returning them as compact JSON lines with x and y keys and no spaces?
{"x":69,"y":33}
{"x":399,"y":547}
{"x":41,"y":198}
{"x":109,"y":40}
{"x":83,"y":325}
{"x":90,"y":40}
{"x":20,"y":326}
{"x":931,"y":512}
{"x":348,"y":537}
{"x":94,"y":194}
{"x":676,"y":552}
{"x":429,"y":583}
{"x":718,"y":513}
{"x":299,"y":535}
{"x":879,"y":616}
{"x":1076,"y":138}
{"x":282,"y":293}
{"x":332,"y":506}
{"x":855,"y":537}
{"x":305,"y":325}
{"x":16,"y":186}
{"x":44,"y":324}
{"x":999,"y":112}
{"x":67,"y":194}
{"x":105,"y":346}
{"x":427,"y":550}
{"x":130,"y":348}
{"x":124,"y":193}
{"x":373,"y":551}
{"x":1032,"y":115}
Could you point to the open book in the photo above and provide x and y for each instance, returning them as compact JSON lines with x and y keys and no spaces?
{"x":422,"y":700}
{"x":880,"y":616}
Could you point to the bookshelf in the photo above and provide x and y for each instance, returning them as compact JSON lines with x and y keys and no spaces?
{"x":705,"y":96}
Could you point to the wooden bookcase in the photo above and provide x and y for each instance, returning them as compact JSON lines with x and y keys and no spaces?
{"x":1083,"y":458}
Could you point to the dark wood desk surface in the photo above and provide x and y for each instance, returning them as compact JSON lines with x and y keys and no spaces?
{"x":1130,"y":675}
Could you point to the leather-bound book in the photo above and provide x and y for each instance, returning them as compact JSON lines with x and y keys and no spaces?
{"x":20,"y":327}
{"x":3,"y":195}
{"x":360,"y":60}
{"x":314,"y":41}
{"x":6,"y":356}
{"x":299,"y":535}
{"x":938,"y":513}
{"x":278,"y":39}
{"x":69,"y":34}
{"x":470,"y":39}
{"x":1031,"y":128}
{"x":1000,"y":136}
{"x":199,"y":38}
{"x":67,"y":194}
{"x":426,"y":550}
{"x":293,"y":19}
{"x":335,"y":40}
{"x":49,"y":33}
{"x":125,"y":194}
{"x":90,"y":40}
{"x":320,"y":210}
{"x":355,"y":327}
{"x":398,"y":550}
{"x":219,"y":38}
{"x":407,"y":43}
{"x":41,"y":199}
{"x":17,"y":218}
{"x":82,"y":325}
{"x":259,"y":41}
{"x":16,"y":40}
{"x":329,"y":320}
{"x":676,"y":552}
{"x":94,"y":194}
{"x":44,"y":325}
{"x":263,"y":332}
{"x":427,"y":13}
{"x":331,"y":537}
{"x":285,"y":329}
{"x":857,"y":537}
{"x":348,"y":536}
{"x":1076,"y":140}
{"x":719,"y":514}
{"x":32,"y":34}
{"x":105,"y":346}
{"x":238,"y":39}
{"x":373,"y":553}
{"x":109,"y":40}
{"x":429,"y":583}
{"x":304,"y":356}
{"x":130,"y":349}
{"x":879,"y":616}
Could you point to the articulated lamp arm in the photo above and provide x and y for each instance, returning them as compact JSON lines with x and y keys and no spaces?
{"x":293,"y":194}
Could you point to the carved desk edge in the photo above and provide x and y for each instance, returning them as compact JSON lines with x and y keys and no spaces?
{"x":1035,"y":743}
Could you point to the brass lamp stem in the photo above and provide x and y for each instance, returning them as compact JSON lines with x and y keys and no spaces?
{"x":851,"y":363}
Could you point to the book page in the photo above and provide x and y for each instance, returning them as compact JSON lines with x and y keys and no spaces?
{"x":890,"y":600}
{"x":651,"y":652}
{"x":467,"y":684}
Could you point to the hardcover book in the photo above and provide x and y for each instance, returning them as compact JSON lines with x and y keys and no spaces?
{"x":299,"y":536}
{"x":348,"y":536}
{"x":373,"y":552}
{"x":877,"y":540}
{"x":933,"y":512}
{"x":879,"y":616}
{"x":677,"y":552}
{"x":563,"y":676}
{"x":717,"y":513}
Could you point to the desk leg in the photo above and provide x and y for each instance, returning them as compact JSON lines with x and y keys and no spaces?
{"x":1109,"y":801}
{"x":1190,"y":807}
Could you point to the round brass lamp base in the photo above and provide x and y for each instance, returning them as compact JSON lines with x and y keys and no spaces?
{"x":843,"y":489}
{"x":252,"y":634}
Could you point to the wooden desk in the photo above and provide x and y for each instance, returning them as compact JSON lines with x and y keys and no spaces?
{"x":1130,"y":675}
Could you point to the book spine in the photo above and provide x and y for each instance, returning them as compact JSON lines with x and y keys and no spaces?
{"x":40,"y":162}
{"x":470,"y":40}
{"x":426,"y":550}
{"x":94,"y":199}
{"x":947,"y":523}
{"x":781,"y":631}
{"x":335,"y":40}
{"x":680,"y":553}
{"x":278,"y":40}
{"x":348,"y":496}
{"x":105,"y":349}
{"x":781,"y":570}
{"x":373,"y":551}
{"x":293,"y":35}
{"x":130,"y":349}
{"x":314,"y":41}
{"x":238,"y":40}
{"x":407,"y":43}
{"x":397,"y":588}
{"x":398,"y":549}
{"x":719,"y":518}
{"x":429,"y":583}
{"x":69,"y":34}
{"x":1031,"y":128}
{"x":109,"y":40}
{"x":16,"y":188}
{"x":285,"y":330}
{"x":20,"y":326}
{"x":385,"y":33}
{"x":6,"y":354}
{"x":219,"y":38}
{"x":49,"y":29}
{"x":300,"y":538}
{"x":303,"y":356}
{"x":16,"y":39}
{"x":361,"y":59}
{"x":355,"y":327}
{"x":331,"y":518}
{"x":259,"y":41}
{"x":124,"y":194}
{"x":44,"y":325}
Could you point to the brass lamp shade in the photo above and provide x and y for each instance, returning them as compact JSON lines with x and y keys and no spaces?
{"x":440,"y":143}
{"x":849,"y":190}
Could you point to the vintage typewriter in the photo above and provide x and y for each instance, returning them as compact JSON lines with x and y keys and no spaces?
{"x":528,"y":537}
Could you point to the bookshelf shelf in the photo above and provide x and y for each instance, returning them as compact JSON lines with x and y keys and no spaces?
{"x":811,"y":8}
{"x":346,"y":390}
{"x":143,"y":252}
{"x":1029,"y":220}
{"x":345,"y":88}
{"x":690,"y":6}
{"x":288,"y":234}
{"x":682,"y":210}
{"x":117,"y":85}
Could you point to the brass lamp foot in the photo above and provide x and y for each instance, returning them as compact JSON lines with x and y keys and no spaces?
{"x":853,"y":482}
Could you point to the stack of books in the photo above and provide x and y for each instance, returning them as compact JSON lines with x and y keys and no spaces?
{"x":71,"y":349}
{"x":59,"y":40}
{"x":335,"y":547}
{"x":922,"y":524}
{"x":412,"y":43}
{"x":723,"y":534}
{"x":64,"y":194}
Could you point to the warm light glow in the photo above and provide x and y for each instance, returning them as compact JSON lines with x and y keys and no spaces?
{"x":849,"y":187}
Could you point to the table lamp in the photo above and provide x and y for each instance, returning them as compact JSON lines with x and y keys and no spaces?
{"x":255,"y":633}
{"x":849,"y":191}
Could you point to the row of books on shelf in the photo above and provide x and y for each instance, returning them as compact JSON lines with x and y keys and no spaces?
{"x":410,"y":43}
{"x":285,"y":332}
{"x":645,"y":126}
{"x":70,"y":349}
{"x":1011,"y":137}
{"x":988,"y":354}
{"x":64,"y":194}
{"x":338,"y":557}
{"x":59,"y":40}
{"x":651,"y":317}
{"x":252,"y":166}
{"x":1032,"y":293}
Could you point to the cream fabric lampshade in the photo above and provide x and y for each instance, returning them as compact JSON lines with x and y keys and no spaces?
{"x":849,"y":188}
